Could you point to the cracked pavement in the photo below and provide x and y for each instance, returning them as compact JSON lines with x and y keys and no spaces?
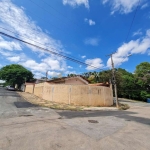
{"x":24,"y":126}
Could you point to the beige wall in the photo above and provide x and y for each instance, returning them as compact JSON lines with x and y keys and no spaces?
{"x":83,"y":95}
{"x":29,"y":88}
{"x":38,"y":90}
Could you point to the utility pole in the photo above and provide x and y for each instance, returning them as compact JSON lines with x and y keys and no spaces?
{"x":114,"y":79}
{"x":46,"y":75}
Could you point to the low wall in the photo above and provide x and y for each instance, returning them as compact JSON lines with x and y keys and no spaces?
{"x":82,"y":95}
{"x":29,"y":88}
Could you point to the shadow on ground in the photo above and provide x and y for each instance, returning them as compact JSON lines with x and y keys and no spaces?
{"x":24,"y":104}
{"x":127,"y":115}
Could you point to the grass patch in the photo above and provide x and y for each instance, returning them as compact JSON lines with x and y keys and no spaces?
{"x":123,"y":106}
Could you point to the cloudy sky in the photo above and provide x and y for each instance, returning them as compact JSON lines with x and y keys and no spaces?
{"x":86,"y":30}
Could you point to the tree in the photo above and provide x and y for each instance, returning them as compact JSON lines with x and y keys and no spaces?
{"x":142,"y":75}
{"x":15,"y":74}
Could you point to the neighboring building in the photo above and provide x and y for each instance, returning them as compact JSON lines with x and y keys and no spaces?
{"x":39,"y":80}
{"x":77,"y":80}
{"x":69,"y":81}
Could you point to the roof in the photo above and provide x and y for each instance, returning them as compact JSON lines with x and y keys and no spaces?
{"x":100,"y":84}
{"x":80,"y":78}
{"x":68,"y":78}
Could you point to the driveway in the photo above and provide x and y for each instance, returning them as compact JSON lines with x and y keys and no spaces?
{"x":24,"y":126}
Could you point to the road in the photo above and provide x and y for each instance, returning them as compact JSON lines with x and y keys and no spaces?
{"x":24,"y":126}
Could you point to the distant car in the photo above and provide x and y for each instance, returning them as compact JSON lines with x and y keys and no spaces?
{"x":11,"y":88}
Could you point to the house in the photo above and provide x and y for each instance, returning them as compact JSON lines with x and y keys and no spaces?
{"x":77,"y":80}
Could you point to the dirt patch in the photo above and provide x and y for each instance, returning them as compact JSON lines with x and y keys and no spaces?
{"x":44,"y":103}
{"x":123,"y":106}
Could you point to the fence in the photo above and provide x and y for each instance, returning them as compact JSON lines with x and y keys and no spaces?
{"x":82,"y":95}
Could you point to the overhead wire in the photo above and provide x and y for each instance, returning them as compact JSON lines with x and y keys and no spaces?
{"x":47,"y":50}
{"x":39,"y":43}
{"x":47,"y":33}
{"x":137,"y":7}
{"x":133,"y":20}
{"x":59,"y":12}
{"x":48,"y":12}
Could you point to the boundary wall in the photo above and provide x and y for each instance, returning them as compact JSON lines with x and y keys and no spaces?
{"x":83,"y":95}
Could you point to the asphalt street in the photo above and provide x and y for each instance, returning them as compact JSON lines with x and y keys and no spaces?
{"x":24,"y":126}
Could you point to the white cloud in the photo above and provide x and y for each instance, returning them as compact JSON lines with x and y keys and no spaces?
{"x":75,"y":3}
{"x":96,"y":62}
{"x":14,"y":59}
{"x":6,"y":53}
{"x":71,"y":72}
{"x":104,"y":1}
{"x":139,"y":46}
{"x":144,"y":5}
{"x":92,"y":41}
{"x":137,"y":33}
{"x":89,"y":21}
{"x":26,"y":28}
{"x":69,"y":67}
{"x":9,"y":45}
{"x":51,"y":74}
{"x":47,"y":64}
{"x":83,"y":56}
{"x":123,"y":6}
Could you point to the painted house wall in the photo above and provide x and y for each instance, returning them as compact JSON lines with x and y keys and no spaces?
{"x":82,"y":95}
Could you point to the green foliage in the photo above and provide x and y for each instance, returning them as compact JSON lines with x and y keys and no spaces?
{"x":132,"y":86}
{"x":15,"y":74}
{"x":72,"y":75}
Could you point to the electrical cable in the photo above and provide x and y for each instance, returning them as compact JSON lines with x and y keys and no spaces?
{"x":52,"y":52}
{"x":59,"y":12}
{"x":47,"y":11}
{"x":38,"y":42}
{"x":132,"y":20}
{"x":131,"y":26}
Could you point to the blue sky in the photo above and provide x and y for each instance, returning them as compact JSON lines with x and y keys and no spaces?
{"x":86,"y":30}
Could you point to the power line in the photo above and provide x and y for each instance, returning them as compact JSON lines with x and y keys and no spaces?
{"x":47,"y":11}
{"x":52,"y":52}
{"x":59,"y":12}
{"x":132,"y":20}
{"x":47,"y":33}
{"x":45,"y":20}
{"x":37,"y":42}
{"x":130,"y":26}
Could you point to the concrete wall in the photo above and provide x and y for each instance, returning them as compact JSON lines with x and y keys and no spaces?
{"x":38,"y":89}
{"x":82,"y":95}
{"x":29,"y":88}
